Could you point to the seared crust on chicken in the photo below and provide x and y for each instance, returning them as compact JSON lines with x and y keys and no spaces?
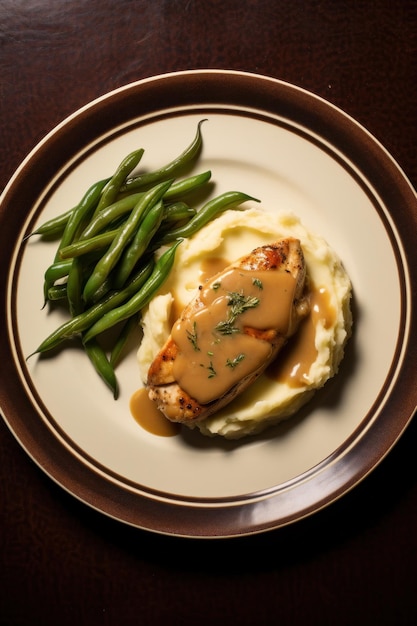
{"x":175,"y":403}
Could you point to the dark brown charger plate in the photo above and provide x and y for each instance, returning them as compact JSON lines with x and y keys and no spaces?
{"x":394,"y":204}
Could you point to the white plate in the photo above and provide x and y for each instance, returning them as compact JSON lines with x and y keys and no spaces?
{"x":295,"y":152}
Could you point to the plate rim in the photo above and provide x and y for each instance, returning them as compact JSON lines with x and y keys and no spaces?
{"x":202,"y":519}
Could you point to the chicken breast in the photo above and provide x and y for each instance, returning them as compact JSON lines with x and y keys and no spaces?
{"x":230,"y":332}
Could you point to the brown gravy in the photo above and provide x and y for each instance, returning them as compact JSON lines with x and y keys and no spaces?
{"x":214,"y":351}
{"x":293,"y":363}
{"x":146,"y":414}
{"x":212,"y":266}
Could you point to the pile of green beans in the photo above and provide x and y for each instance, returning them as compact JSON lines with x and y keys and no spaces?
{"x":117,"y":247}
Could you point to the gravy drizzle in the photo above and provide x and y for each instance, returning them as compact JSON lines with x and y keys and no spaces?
{"x":293,"y":363}
{"x":215,"y":352}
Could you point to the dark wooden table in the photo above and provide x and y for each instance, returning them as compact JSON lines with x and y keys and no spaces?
{"x":353,"y":563}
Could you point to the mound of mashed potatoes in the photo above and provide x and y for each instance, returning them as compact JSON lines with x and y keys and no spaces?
{"x":310,"y":358}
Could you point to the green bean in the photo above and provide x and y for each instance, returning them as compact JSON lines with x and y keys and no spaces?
{"x":60,"y":269}
{"x":210,"y":210}
{"x":103,"y":367}
{"x":103,"y":290}
{"x":177,"y":212}
{"x":175,"y":215}
{"x":126,"y":232}
{"x":121,"y":341}
{"x":55,"y":272}
{"x":112,"y":188}
{"x":76,"y":325}
{"x":84,"y":246}
{"x":74,"y":287}
{"x":139,"y":243}
{"x":187,"y":185}
{"x":110,"y":214}
{"x":170,"y":169}
{"x":57,"y":292}
{"x":55,"y":226}
{"x":141,"y":298}
{"x":121,"y":207}
{"x":79,"y":213}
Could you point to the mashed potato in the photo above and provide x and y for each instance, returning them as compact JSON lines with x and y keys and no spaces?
{"x":272,"y":397}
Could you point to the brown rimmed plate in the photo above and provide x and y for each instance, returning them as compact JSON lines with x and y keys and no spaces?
{"x":295,"y":152}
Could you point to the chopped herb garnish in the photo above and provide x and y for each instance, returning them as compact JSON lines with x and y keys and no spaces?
{"x":239,"y":304}
{"x":227,"y":327}
{"x":212,"y":371}
{"x":258,"y":283}
{"x":216,"y":285}
{"x":192,"y":337}
{"x":233,"y":362}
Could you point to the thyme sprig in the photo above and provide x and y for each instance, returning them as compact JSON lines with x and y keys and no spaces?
{"x":227,"y":327}
{"x":212,"y":371}
{"x":232,"y":363}
{"x":239,"y":303}
{"x":192,"y":336}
